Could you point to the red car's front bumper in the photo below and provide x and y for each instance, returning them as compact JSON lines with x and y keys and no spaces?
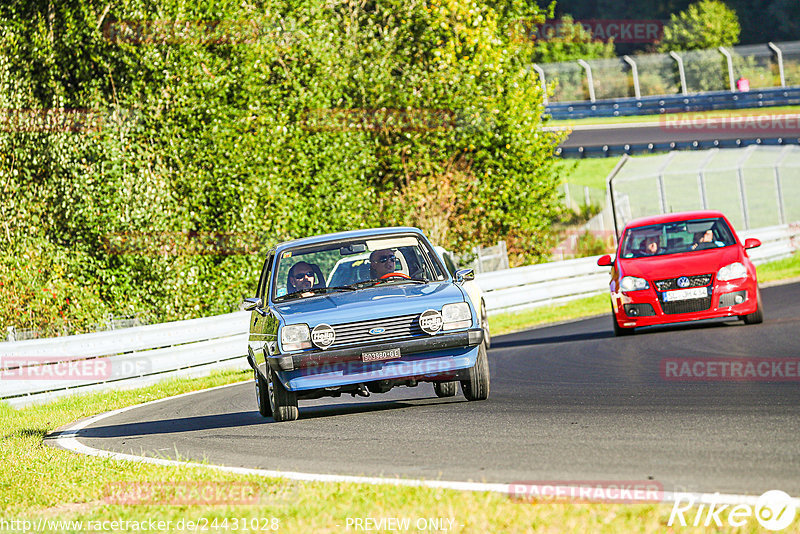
{"x":635,"y":316}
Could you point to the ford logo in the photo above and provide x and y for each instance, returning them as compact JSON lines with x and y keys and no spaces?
{"x":376,"y":331}
{"x":683,"y":282}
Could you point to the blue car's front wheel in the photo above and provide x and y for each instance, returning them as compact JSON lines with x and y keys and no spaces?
{"x":282,"y":402}
{"x":476,"y":387}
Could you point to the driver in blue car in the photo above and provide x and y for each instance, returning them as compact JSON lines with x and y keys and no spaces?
{"x":301,"y":277}
{"x":381,"y":263}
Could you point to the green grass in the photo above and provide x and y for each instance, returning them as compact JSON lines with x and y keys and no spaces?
{"x":779,"y":270}
{"x":778,"y":110}
{"x":590,"y":172}
{"x":40,"y":482}
{"x":504,"y":323}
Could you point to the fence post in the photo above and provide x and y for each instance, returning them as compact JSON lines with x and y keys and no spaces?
{"x":635,"y":73}
{"x":662,"y":193}
{"x":776,"y":169}
{"x":540,"y":71}
{"x":729,"y":59}
{"x":12,"y":335}
{"x":742,"y":193}
{"x":779,"y":55}
{"x":681,"y":71}
{"x":701,"y":177}
{"x":586,"y":198}
{"x":567,"y":196}
{"x":503,"y":254}
{"x":588,"y":69}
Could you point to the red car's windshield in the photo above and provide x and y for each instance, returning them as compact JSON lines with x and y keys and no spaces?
{"x":675,"y":237}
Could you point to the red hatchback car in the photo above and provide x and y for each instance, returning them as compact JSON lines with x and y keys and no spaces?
{"x":682,"y":267}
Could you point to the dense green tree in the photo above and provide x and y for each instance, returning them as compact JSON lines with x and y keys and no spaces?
{"x":707,"y":24}
{"x":136,"y":130}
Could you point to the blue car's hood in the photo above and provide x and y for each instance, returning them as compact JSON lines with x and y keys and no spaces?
{"x":370,"y":303}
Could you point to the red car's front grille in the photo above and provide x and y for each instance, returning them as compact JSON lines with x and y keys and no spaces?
{"x":694,"y":281}
{"x":686,"y":306}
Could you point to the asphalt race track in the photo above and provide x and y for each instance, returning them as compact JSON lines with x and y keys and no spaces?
{"x":568,"y":403}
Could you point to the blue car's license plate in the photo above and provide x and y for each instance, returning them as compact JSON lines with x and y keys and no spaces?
{"x":389,"y":354}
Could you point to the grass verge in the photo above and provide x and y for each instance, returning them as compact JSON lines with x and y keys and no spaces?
{"x":778,"y":110}
{"x":40,"y":483}
{"x":504,"y":323}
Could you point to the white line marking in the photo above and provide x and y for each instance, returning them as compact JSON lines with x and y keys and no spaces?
{"x":68,"y":440}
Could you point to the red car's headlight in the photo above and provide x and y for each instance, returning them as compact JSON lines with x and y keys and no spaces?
{"x":732,"y":272}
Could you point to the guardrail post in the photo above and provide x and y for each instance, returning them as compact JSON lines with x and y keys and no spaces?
{"x":662,"y":193}
{"x":589,"y":79}
{"x":540,"y":71}
{"x":701,"y":177}
{"x":742,"y":193}
{"x":781,"y":210}
{"x":679,"y":60}
{"x":635,"y":73}
{"x":12,"y":335}
{"x":729,"y":59}
{"x":779,"y":55}
{"x":610,"y":181}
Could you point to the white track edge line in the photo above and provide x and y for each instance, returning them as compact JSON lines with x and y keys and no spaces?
{"x":67,"y":440}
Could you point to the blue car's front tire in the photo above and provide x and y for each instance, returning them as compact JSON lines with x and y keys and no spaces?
{"x":476,"y":387}
{"x":282,"y":402}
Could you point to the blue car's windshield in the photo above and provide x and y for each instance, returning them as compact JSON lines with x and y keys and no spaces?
{"x":353,"y":265}
{"x":674,"y":237}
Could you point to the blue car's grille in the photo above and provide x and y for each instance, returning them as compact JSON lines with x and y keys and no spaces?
{"x":394,"y":329}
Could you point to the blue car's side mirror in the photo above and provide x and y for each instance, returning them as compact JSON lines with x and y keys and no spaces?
{"x":464,"y":275}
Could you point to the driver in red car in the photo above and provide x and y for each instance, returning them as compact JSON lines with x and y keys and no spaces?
{"x":381,"y":263}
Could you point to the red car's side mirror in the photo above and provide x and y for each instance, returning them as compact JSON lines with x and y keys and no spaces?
{"x":752,"y":243}
{"x":605,"y":261}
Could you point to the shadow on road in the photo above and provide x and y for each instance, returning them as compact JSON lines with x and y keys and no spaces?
{"x":241,"y":419}
{"x":566,"y":338}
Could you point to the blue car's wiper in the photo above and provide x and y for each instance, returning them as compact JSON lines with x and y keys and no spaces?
{"x":402,"y":280}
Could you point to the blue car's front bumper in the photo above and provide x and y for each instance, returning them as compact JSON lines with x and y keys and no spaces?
{"x":425,"y":358}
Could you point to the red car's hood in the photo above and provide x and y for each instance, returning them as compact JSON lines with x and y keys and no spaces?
{"x":681,"y":264}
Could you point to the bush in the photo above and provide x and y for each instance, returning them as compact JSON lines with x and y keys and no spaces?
{"x":280,"y":122}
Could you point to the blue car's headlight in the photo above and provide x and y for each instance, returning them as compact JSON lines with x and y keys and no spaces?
{"x":732,"y":272}
{"x":455,"y":316}
{"x":295,"y":337}
{"x":632,"y":283}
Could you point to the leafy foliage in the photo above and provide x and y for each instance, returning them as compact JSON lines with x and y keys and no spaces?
{"x":275,"y":119}
{"x":703,"y":25}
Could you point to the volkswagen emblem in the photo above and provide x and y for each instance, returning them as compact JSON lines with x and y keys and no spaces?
{"x":376,"y":331}
{"x":323,"y":335}
{"x":683,"y":281}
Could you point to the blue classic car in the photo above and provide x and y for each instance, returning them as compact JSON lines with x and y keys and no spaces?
{"x":361,"y":312}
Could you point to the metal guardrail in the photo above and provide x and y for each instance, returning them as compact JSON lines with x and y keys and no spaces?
{"x":652,"y":148}
{"x":558,"y":282}
{"x":129,"y":357}
{"x":32,"y":370}
{"x":656,"y":105}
